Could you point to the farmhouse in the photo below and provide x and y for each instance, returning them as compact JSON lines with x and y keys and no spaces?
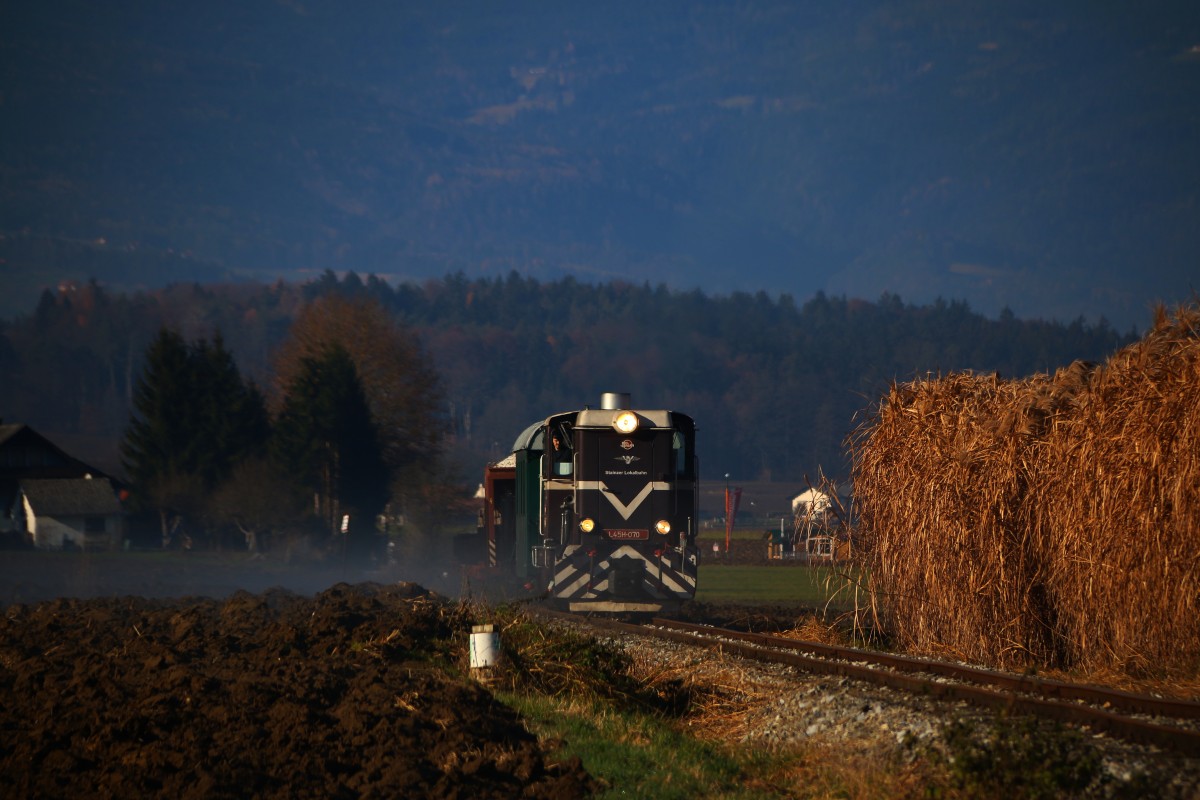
{"x":66,"y":512}
{"x":51,"y":499}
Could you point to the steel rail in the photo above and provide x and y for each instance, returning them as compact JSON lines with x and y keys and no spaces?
{"x":1029,"y":684}
{"x":898,"y":672}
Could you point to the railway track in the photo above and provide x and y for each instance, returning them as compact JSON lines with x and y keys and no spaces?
{"x":1145,"y":719}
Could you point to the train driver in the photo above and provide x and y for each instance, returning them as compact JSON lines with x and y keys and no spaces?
{"x":560,"y":455}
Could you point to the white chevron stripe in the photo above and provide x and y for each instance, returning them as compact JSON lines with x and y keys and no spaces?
{"x":674,"y":579}
{"x":575,"y":586}
{"x":667,"y":582}
{"x":625,"y":510}
{"x":571,"y":581}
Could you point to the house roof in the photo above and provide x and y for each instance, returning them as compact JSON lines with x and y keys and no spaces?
{"x":9,"y":431}
{"x":71,"y":496}
{"x":51,"y":461}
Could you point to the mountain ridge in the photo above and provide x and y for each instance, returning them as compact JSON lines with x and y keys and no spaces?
{"x":1032,"y":158}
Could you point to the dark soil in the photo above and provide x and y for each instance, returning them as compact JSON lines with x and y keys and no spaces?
{"x":350,"y":693}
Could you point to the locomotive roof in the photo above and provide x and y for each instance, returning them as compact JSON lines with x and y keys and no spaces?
{"x":533,"y":437}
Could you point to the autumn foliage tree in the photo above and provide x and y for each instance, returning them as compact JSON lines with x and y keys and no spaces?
{"x":400,"y":384}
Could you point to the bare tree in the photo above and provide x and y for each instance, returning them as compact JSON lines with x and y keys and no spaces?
{"x":257,"y":500}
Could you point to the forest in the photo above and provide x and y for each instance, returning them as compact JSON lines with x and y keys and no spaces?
{"x":775,"y":385}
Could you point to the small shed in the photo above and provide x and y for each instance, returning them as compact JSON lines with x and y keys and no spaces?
{"x":71,"y":512}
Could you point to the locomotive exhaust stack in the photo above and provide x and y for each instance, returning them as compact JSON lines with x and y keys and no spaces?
{"x":614,"y":401}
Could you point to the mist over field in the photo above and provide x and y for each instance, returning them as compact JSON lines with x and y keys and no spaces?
{"x":31,"y":577}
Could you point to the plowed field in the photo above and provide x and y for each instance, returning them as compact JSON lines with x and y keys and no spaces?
{"x":274,"y":694}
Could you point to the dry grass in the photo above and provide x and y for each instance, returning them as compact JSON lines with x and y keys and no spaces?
{"x":722,"y":693}
{"x":1121,"y":500}
{"x":1051,"y":521}
{"x":812,"y":628}
{"x":941,"y":483}
{"x":834,"y":770}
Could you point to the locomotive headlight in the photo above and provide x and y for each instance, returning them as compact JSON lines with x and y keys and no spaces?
{"x":663,"y":527}
{"x":626,"y":422}
{"x":586,"y":525}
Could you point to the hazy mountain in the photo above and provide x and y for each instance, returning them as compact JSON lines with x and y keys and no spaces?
{"x":1040,"y":156}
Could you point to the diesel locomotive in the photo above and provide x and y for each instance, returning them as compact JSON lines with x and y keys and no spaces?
{"x":598,"y":508}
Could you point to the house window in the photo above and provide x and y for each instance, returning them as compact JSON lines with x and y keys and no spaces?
{"x":93,"y":524}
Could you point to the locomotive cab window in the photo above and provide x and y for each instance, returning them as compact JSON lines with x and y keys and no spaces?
{"x":681,"y":454}
{"x":560,"y":454}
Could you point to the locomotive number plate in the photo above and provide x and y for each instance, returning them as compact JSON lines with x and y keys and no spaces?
{"x":628,"y":534}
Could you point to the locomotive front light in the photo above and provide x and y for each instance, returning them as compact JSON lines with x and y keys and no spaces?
{"x":663,"y":527}
{"x":586,"y":525}
{"x":625,"y":422}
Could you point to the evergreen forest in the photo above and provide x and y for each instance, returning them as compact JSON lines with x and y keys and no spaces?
{"x":775,"y":385}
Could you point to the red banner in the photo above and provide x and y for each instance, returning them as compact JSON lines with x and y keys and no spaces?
{"x":732,"y":500}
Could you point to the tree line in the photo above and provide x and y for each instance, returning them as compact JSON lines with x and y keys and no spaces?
{"x":453,"y":369}
{"x":775,"y":385}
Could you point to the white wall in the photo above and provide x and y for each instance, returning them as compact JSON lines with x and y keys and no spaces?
{"x":50,"y":533}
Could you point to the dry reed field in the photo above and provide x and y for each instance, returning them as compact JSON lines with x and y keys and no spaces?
{"x":1052,"y":521}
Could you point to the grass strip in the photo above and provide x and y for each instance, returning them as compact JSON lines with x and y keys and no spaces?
{"x":807,"y":586}
{"x":638,"y":755}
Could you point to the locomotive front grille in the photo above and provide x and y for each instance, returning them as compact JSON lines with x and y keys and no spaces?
{"x":625,"y":577}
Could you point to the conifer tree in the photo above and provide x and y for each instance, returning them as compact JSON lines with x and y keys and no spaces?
{"x":325,"y":436}
{"x":157,"y":437}
{"x":193,"y":419}
{"x":232,"y":411}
